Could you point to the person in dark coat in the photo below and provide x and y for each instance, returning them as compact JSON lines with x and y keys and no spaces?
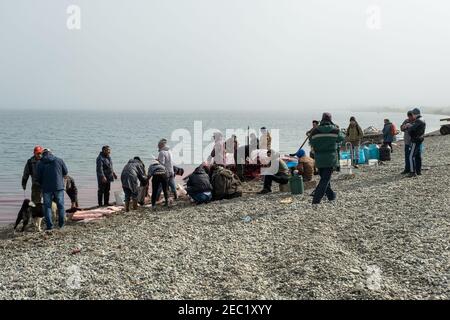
{"x":198,"y":186}
{"x":407,"y":140}
{"x":105,"y":175}
{"x":388,"y":133}
{"x":324,"y":140}
{"x":50,"y":175}
{"x":157,"y":172}
{"x":30,"y":171}
{"x":132,"y":174}
{"x":417,"y":133}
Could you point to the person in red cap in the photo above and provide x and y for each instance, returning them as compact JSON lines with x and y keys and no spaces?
{"x":30,"y":170}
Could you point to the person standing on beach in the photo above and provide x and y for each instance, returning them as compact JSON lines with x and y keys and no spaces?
{"x":265,"y":140}
{"x":105,"y":175}
{"x":132,"y":174}
{"x":354,"y":136}
{"x":231,"y":146}
{"x":165,"y":158}
{"x":50,"y":175}
{"x":218,"y":153}
{"x":417,"y":133}
{"x":407,"y":140}
{"x":324,"y":140}
{"x":30,"y":170}
{"x":157,"y":172}
{"x":388,"y":133}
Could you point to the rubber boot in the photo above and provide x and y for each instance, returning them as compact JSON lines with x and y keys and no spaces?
{"x":127,"y":206}
{"x":134,"y":204}
{"x":100,"y":199}
{"x":106,"y":200}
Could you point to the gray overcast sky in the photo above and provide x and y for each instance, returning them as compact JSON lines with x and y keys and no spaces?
{"x":237,"y":54}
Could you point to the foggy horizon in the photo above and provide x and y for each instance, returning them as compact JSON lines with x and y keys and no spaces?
{"x":245,"y":56}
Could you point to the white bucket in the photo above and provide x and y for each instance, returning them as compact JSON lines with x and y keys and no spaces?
{"x":346,"y":170}
{"x":120,"y":198}
{"x":373,"y":162}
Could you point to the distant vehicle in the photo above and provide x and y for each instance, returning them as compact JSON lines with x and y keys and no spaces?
{"x":445,"y":128}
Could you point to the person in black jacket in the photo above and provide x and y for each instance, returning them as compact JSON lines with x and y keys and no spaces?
{"x":105,"y":175}
{"x":30,"y":171}
{"x":417,"y":133}
{"x":198,"y":186}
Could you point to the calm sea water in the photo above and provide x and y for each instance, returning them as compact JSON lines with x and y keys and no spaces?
{"x":77,"y":137}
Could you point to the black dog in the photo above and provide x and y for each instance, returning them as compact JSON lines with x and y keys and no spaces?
{"x":30,"y":210}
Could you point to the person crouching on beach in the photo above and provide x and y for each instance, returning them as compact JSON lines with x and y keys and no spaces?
{"x":157,"y":172}
{"x":281,"y":176}
{"x":305,"y":166}
{"x":50,"y":174}
{"x":198,"y":186}
{"x":105,"y":175}
{"x":354,"y":136}
{"x":132,"y":174}
{"x":324,"y":140}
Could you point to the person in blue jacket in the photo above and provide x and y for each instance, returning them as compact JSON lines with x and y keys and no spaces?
{"x":50,"y":175}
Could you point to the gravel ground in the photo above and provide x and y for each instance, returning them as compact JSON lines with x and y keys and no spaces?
{"x":386,"y":237}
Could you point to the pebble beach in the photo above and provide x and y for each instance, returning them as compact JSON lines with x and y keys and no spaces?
{"x":386,"y":237}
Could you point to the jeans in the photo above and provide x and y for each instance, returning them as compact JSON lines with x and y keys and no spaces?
{"x":415,"y":158}
{"x":202,"y":197}
{"x":171,"y":184}
{"x":407,"y":153}
{"x":279,"y":178}
{"x":103,"y":193}
{"x":324,"y":186}
{"x":355,"y":152}
{"x":159,"y":181}
{"x":58,"y":197}
{"x":129,"y":194}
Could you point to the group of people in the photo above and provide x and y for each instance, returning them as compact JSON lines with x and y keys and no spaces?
{"x":213,"y":180}
{"x":49,"y":179}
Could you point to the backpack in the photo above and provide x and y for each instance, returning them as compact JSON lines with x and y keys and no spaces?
{"x":226,"y":184}
{"x":393,"y":129}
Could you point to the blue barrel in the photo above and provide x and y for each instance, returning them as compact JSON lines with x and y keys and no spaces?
{"x":345,"y":155}
{"x":362,"y":155}
{"x":374,"y":152}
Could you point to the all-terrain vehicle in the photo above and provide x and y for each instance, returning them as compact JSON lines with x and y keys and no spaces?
{"x":445,"y":128}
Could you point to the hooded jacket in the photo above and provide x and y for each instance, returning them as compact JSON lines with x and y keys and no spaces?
{"x":417,"y":130}
{"x":404,"y":127}
{"x":354,"y":133}
{"x":387,"y":133}
{"x":132,"y":174}
{"x":30,"y":170}
{"x":156,"y":168}
{"x":325,"y":139}
{"x":198,"y":182}
{"x":104,"y":168}
{"x":165,"y":158}
{"x":50,"y":173}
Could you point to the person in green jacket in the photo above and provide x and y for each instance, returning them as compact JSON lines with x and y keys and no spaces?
{"x":324,"y":140}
